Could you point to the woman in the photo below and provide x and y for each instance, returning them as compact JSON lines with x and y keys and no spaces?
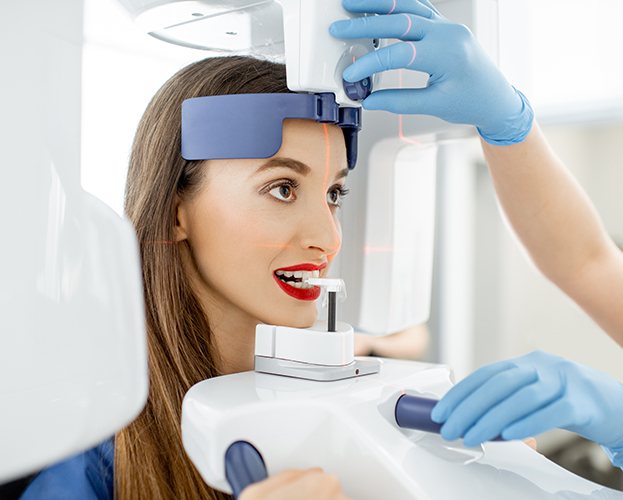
{"x":213,"y":236}
{"x":551,"y":215}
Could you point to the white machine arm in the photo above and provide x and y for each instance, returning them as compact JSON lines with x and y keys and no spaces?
{"x":72,"y":339}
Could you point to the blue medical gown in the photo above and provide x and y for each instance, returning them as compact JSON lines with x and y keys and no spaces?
{"x":86,"y":476}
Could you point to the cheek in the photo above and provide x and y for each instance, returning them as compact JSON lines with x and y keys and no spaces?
{"x":338,"y":230}
{"x":234,"y":241}
{"x":236,"y":253}
{"x":255,"y":230}
{"x":233,"y":235}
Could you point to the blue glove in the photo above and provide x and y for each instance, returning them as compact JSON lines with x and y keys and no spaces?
{"x":526,"y":396}
{"x":464,"y":86}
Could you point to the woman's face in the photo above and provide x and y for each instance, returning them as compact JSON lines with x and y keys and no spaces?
{"x":257,"y":227}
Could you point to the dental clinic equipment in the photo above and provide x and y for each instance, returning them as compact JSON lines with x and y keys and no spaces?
{"x":311,"y":405}
{"x":73,"y":356}
{"x":322,"y":353}
{"x":284,"y":30}
{"x":250,"y":125}
{"x":332,"y":287}
{"x":416,"y":412}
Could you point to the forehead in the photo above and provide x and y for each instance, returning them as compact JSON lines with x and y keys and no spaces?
{"x":318,"y":146}
{"x":312,"y":142}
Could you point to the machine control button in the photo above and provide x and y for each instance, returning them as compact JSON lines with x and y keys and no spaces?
{"x":358,"y":91}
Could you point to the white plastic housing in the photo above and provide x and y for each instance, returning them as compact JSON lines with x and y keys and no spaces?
{"x":347,"y":427}
{"x":292,"y":31}
{"x":73,"y":366}
{"x":399,"y":237}
{"x":306,"y":345}
{"x":229,"y":26}
{"x":329,"y":285}
{"x":314,"y":59}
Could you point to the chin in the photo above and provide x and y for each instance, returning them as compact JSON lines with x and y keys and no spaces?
{"x":302,"y":323}
{"x":295,"y":319}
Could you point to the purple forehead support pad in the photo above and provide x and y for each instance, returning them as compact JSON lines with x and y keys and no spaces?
{"x":251,"y":125}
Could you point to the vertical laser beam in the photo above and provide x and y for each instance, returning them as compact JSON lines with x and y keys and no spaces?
{"x":327,"y":172}
{"x":327,"y":156}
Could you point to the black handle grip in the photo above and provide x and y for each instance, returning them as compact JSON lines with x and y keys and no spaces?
{"x":243,"y":466}
{"x":414,"y":412}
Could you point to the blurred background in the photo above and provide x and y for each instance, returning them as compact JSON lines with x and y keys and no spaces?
{"x":489,"y":302}
{"x":564,"y":58}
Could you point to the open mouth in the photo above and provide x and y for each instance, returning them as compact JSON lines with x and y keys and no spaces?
{"x":297,"y":279}
{"x":292,"y":280}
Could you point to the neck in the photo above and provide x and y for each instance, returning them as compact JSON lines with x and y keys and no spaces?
{"x":233,"y":330}
{"x":234,"y":338}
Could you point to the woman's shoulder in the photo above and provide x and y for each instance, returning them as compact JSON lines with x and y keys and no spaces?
{"x":88,"y":475}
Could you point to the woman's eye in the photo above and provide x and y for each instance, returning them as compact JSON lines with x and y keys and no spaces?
{"x":283,"y":192}
{"x":336,"y":195}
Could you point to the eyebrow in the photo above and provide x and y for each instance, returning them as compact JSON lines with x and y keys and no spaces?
{"x":297,"y":166}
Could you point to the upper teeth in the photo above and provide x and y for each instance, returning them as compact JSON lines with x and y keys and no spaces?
{"x":303,"y":275}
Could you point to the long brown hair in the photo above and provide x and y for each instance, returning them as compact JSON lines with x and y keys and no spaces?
{"x":150,"y":462}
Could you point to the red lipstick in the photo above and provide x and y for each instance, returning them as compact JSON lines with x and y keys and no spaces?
{"x":303,"y":267}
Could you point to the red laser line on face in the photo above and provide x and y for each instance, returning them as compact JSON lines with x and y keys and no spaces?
{"x":331,"y":252}
{"x":327,"y":156}
{"x":327,"y":172}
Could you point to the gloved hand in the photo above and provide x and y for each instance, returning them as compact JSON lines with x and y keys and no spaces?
{"x":531,"y":394}
{"x":465,"y":86}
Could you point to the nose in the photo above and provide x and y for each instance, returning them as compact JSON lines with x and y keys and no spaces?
{"x":320,"y":229}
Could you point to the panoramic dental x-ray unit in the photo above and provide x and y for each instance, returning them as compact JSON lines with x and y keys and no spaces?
{"x":309,"y":402}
